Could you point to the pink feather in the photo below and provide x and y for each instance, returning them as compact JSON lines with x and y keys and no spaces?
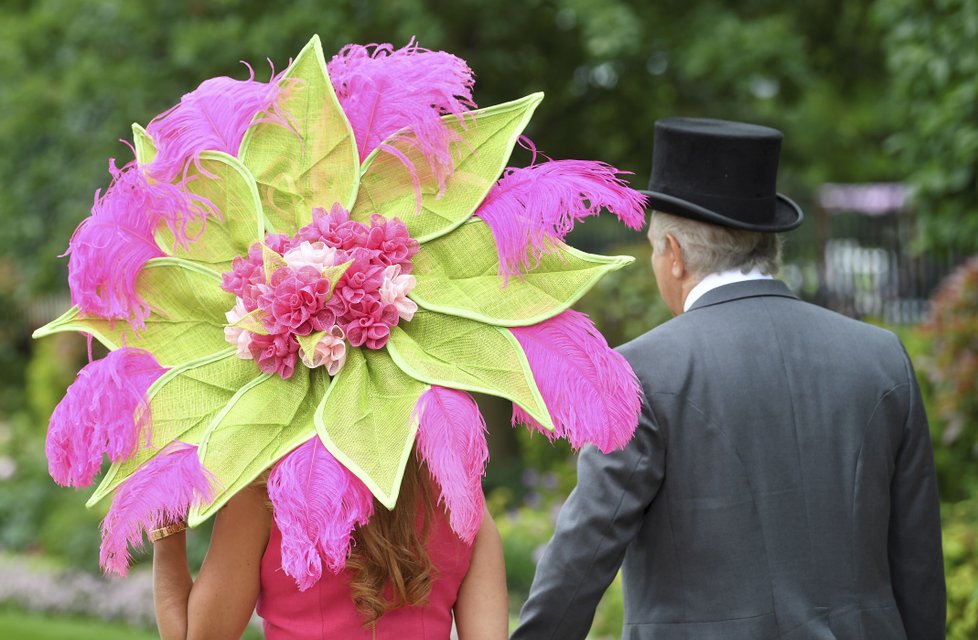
{"x":110,"y":248}
{"x":317,"y":504}
{"x":530,"y":208}
{"x":160,"y":492}
{"x":103,"y":412}
{"x":590,"y":390}
{"x":452,"y":442}
{"x":384,"y":91}
{"x":214,"y":116}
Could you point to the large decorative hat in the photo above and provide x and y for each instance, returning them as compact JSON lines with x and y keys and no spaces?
{"x":308,"y":275}
{"x":720,"y":172}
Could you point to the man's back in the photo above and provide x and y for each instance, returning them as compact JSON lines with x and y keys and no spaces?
{"x":781,"y":486}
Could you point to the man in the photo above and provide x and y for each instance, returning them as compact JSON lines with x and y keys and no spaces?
{"x":781,"y":482}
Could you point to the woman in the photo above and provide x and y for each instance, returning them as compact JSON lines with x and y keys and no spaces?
{"x":407,"y":575}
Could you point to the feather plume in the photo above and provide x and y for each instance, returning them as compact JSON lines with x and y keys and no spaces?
{"x":384,"y":92}
{"x":214,"y":116}
{"x":160,"y":492}
{"x":317,"y":504}
{"x":110,"y":248}
{"x":590,"y":390}
{"x":452,"y":442}
{"x":103,"y":412}
{"x":530,"y":209}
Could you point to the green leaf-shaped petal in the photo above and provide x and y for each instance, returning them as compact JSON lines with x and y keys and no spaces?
{"x":464,"y":354}
{"x":367,"y":421}
{"x":313,"y":164}
{"x":143,"y":145}
{"x":187,"y":322}
{"x":458,"y":274}
{"x":182,"y":404}
{"x":486,"y":140}
{"x":238,"y":221}
{"x":265,"y":420}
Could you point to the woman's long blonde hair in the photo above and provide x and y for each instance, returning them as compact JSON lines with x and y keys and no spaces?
{"x":390,"y":563}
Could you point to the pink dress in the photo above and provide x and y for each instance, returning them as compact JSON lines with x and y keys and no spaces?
{"x":326,"y":610}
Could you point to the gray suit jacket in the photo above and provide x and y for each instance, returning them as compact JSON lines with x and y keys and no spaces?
{"x":780,"y":485}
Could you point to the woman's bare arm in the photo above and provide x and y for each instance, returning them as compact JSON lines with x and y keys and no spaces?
{"x":482,"y":609}
{"x":220,"y":602}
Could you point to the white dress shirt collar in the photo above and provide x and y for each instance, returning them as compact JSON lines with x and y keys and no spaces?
{"x":715,"y":280}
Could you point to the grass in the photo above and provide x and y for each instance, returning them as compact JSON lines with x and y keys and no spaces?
{"x":29,"y":626}
{"x":20,"y":625}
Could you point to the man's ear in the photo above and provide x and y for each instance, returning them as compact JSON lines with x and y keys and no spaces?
{"x":677,"y":263}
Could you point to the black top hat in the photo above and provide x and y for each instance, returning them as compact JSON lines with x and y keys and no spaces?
{"x":720,"y":172}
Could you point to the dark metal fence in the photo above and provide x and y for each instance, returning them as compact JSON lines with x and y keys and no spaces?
{"x":867,"y":265}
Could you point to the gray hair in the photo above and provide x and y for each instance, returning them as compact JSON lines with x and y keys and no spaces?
{"x":710,"y":248}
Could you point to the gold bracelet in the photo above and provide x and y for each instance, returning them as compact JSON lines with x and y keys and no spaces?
{"x":168,"y":530}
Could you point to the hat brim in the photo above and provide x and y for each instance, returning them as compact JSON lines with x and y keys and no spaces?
{"x":787,"y":215}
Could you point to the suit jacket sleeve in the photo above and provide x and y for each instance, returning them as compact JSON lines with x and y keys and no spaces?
{"x":600,"y":518}
{"x":916,"y":559}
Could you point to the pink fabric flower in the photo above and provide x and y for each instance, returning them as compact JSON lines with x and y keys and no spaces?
{"x":330,"y":352}
{"x":395,"y":289}
{"x":334,"y":228}
{"x":278,"y":242}
{"x":369,"y":323}
{"x":311,"y":254}
{"x":246,"y":277}
{"x":293,"y":300}
{"x":276,"y":353}
{"x":390,"y":239}
{"x":368,"y":300}
{"x":236,"y":335}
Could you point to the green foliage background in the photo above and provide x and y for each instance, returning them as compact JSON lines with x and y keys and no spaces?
{"x":865,"y":90}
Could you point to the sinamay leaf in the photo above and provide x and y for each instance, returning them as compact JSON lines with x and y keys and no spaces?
{"x":313,"y":165}
{"x":486,"y":139}
{"x":143,"y":145}
{"x":463,"y":354}
{"x":187,"y":322}
{"x":182,"y":404}
{"x":366,"y":420}
{"x":260,"y":424}
{"x":458,"y":275}
{"x":238,"y":221}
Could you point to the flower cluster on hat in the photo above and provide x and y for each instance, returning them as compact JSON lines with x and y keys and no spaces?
{"x":310,"y":275}
{"x":335,"y":277}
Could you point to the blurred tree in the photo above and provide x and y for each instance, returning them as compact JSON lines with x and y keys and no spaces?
{"x":952,"y":369}
{"x":933,"y":60}
{"x":76,"y":74}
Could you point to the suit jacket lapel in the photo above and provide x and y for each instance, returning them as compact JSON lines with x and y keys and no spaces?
{"x":741,"y":290}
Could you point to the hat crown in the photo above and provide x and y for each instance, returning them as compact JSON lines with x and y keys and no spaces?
{"x":728,"y":168}
{"x":715,"y":157}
